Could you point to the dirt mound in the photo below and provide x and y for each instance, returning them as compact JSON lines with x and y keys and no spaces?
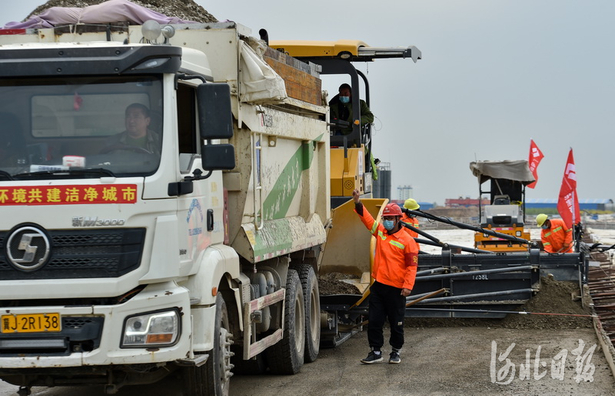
{"x":554,"y":297}
{"x":333,"y":283}
{"x":183,"y":9}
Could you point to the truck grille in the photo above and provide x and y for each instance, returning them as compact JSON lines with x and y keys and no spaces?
{"x":105,"y":253}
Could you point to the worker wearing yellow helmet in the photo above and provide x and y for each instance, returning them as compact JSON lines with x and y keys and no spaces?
{"x":555,"y":235}
{"x":409,"y":218}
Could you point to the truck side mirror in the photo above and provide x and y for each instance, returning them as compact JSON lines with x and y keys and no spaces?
{"x":215,"y":122}
{"x":217,"y":156}
{"x":215,"y":115}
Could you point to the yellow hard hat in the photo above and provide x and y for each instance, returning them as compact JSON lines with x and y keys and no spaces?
{"x":540,"y":219}
{"x":411,"y":204}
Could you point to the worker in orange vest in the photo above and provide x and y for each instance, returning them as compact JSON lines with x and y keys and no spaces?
{"x":555,"y":235}
{"x":411,"y":219}
{"x":394,"y":273}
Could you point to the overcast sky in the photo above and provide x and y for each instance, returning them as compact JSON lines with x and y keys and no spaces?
{"x":494,"y":75}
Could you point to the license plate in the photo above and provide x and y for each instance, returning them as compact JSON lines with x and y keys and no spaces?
{"x":31,"y":323}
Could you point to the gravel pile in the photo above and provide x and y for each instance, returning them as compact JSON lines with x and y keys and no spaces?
{"x":333,"y":283}
{"x":183,"y":9}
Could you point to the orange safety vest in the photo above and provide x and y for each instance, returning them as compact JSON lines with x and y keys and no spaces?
{"x":559,"y":236}
{"x":413,"y":221}
{"x":396,"y":259}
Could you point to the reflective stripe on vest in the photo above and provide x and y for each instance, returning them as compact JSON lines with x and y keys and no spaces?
{"x":394,"y":243}
{"x":397,"y":244}
{"x":374,"y":227}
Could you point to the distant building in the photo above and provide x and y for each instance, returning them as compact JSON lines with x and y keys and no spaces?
{"x":584,"y":204}
{"x":381,"y":188}
{"x":464,"y":202}
{"x":426,"y":205}
{"x":404,"y":192}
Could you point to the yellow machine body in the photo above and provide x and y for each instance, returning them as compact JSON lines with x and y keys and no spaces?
{"x":347,"y":172}
{"x":495,"y":244}
{"x":323,"y":49}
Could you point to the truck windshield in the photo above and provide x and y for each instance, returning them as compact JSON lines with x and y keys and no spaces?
{"x":109,"y":126}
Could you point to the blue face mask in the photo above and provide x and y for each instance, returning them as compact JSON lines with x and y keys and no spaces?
{"x":388,"y":224}
{"x":544,"y":227}
{"x":345,"y":99}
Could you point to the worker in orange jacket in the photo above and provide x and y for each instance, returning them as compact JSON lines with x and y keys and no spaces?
{"x":394,"y":273}
{"x":555,"y":235}
{"x":411,"y":219}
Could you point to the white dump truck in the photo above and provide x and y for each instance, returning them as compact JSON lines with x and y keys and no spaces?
{"x":165,"y":196}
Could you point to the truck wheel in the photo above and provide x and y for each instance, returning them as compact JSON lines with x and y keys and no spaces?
{"x":213,"y":378}
{"x":256,"y":365}
{"x":286,"y":357}
{"x":309,"y":283}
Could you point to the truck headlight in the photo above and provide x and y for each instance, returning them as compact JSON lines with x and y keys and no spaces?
{"x":151,"y":329}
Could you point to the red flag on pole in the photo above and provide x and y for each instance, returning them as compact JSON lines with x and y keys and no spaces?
{"x":535,"y":158}
{"x":568,"y":203}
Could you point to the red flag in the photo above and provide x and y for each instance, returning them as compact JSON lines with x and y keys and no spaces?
{"x":535,"y":158}
{"x":568,"y":203}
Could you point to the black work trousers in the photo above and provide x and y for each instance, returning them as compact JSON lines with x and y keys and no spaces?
{"x":386,"y":301}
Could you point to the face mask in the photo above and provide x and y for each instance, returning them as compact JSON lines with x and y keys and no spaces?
{"x":544,"y":226}
{"x":388,"y":224}
{"x":345,"y":99}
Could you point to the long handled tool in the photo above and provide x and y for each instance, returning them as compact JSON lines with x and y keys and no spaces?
{"x":488,"y":311}
{"x":435,"y":293}
{"x":463,"y":248}
{"x":468,"y":227}
{"x":426,"y":296}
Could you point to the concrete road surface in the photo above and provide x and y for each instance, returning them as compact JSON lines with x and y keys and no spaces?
{"x":436,"y":361}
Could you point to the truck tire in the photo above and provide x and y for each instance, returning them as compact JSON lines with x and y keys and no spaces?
{"x":309,"y":283}
{"x":256,"y":365}
{"x":213,"y":378}
{"x":286,"y":357}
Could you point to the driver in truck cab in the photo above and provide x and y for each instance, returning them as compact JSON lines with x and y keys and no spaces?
{"x":137,"y":133}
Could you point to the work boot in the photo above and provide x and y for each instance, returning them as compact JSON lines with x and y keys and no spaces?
{"x":394,"y":358}
{"x":372,"y":357}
